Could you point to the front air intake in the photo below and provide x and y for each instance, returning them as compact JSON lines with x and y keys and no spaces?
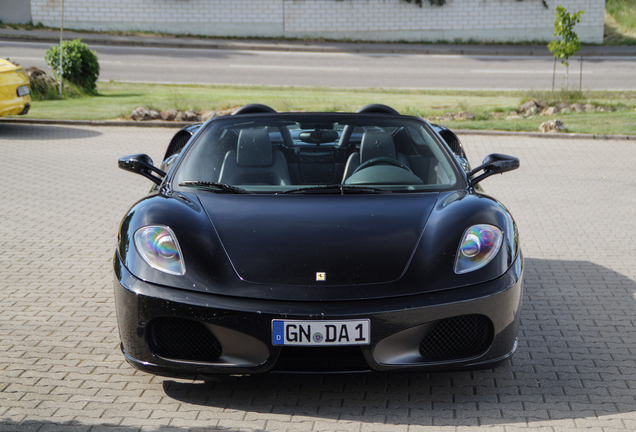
{"x":182,"y":339}
{"x":457,"y":338}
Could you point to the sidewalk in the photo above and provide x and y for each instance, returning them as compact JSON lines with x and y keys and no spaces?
{"x":49,"y":36}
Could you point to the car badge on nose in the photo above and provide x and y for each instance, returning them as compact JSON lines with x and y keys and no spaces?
{"x":321,"y":276}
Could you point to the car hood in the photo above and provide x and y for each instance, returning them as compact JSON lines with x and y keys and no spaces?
{"x":293,"y":239}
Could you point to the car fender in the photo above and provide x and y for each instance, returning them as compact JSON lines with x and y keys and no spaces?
{"x":433,"y":263}
{"x":205,"y":261}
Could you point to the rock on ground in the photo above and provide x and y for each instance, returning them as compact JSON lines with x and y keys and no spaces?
{"x":552,"y":126}
{"x":207,"y":115}
{"x":39,"y":81}
{"x":141,"y":113}
{"x":548,"y":111}
{"x":188,"y":116}
{"x":169,"y":115}
{"x":577,"y":107}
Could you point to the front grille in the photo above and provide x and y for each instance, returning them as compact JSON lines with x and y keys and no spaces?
{"x":458,"y":337}
{"x":321,"y":359}
{"x":182,"y":339}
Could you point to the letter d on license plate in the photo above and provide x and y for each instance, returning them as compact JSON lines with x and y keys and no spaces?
{"x":320,"y":333}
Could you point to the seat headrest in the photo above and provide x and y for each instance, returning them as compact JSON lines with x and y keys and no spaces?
{"x":376,"y":144}
{"x":254,"y":148}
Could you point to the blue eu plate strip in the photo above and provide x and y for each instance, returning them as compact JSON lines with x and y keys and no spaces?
{"x":278,"y":332}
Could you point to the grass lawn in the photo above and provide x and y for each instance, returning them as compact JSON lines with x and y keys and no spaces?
{"x":601,"y":123}
{"x":117,"y":100}
{"x":620,"y":22}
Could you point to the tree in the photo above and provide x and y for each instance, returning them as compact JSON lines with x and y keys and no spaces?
{"x":568,"y":44}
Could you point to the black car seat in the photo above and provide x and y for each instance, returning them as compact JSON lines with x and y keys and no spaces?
{"x":374,"y":144}
{"x":255,"y":161}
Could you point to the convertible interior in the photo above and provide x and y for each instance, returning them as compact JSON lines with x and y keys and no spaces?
{"x":312,"y":151}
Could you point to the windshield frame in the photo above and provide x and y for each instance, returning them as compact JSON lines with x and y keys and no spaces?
{"x":461,"y":181}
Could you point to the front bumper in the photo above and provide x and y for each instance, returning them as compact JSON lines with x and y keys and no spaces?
{"x":241,"y":329}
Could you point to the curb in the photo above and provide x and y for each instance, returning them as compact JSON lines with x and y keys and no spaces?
{"x":174,"y":124}
{"x":166,"y":44}
{"x":290,"y":47}
{"x":324,"y":47}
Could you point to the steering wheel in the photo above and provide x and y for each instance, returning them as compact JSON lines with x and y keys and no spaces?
{"x":382,"y":161}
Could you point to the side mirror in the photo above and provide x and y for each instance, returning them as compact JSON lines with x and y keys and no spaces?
{"x":141,"y":164}
{"x":493,"y":164}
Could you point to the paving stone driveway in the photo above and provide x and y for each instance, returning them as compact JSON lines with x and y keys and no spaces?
{"x":62,"y":197}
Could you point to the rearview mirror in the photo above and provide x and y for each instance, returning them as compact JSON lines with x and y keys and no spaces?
{"x":319,"y":136}
{"x":141,"y":164}
{"x":493,"y":164}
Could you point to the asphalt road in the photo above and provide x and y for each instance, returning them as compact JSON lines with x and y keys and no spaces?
{"x":349,"y":70}
{"x":61,"y":368}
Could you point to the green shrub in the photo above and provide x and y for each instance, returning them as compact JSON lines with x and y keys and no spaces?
{"x":79,"y":64}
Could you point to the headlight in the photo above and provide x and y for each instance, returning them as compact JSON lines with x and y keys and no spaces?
{"x":158,"y":246}
{"x":478,"y":247}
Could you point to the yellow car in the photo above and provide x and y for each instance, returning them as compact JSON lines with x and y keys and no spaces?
{"x":15,"y":95}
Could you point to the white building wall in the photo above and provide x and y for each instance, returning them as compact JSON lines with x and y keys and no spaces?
{"x":15,"y":11}
{"x":481,"y":20}
{"x":193,"y":17}
{"x":376,"y":20}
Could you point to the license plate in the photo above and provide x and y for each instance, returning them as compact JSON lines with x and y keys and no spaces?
{"x":320,"y":333}
{"x":23,"y":90}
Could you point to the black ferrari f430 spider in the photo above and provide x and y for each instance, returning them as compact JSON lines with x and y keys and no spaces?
{"x":304,"y":242}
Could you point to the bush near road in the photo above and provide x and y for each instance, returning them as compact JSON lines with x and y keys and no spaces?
{"x":79,"y":64}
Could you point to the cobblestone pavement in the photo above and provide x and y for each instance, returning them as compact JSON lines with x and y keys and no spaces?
{"x":61,"y":368}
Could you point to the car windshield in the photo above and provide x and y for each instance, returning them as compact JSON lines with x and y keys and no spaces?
{"x":317,"y":153}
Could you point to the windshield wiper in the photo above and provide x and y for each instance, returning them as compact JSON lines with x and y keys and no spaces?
{"x":214,"y":186}
{"x":342,"y":189}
